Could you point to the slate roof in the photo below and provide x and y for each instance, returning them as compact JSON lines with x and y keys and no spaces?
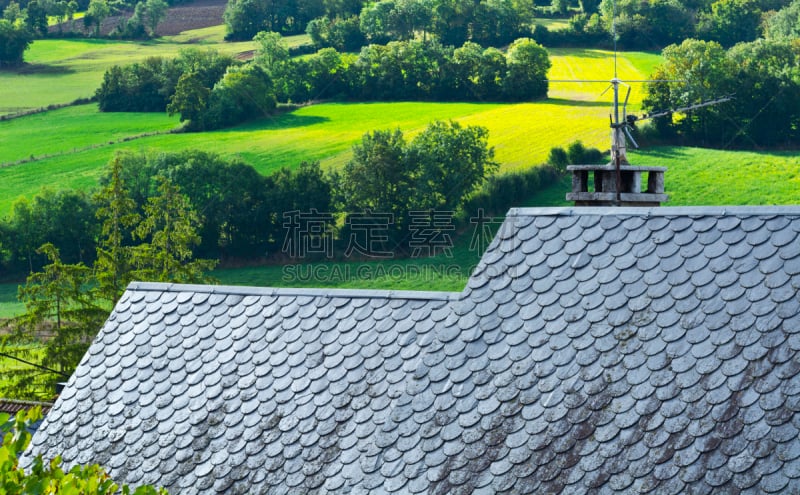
{"x":595,"y":349}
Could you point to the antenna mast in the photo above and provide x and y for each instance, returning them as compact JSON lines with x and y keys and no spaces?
{"x":619,"y":183}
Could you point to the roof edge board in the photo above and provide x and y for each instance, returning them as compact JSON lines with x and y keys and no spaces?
{"x":284,"y":291}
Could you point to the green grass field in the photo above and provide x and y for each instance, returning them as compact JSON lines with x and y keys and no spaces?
{"x":71,"y":146}
{"x":552,"y":24}
{"x":9,"y":306}
{"x":522,"y":134}
{"x":61,"y":71}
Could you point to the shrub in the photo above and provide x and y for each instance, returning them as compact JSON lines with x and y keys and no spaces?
{"x":50,"y":478}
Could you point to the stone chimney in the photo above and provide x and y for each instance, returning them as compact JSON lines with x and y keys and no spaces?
{"x":612,"y":187}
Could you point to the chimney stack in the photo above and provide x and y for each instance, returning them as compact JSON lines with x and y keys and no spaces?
{"x":616,"y":185}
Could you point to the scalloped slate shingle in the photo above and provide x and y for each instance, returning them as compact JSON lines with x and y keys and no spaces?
{"x":611,"y":350}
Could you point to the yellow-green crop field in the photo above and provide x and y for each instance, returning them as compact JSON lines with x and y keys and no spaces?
{"x":69,"y":147}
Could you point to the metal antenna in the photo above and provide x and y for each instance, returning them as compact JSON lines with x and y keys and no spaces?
{"x":614,"y":34}
{"x":621,"y":127}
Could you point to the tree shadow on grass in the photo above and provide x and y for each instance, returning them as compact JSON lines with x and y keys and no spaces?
{"x":287,"y":120}
{"x":573,"y":103}
{"x":670,"y":152}
{"x":43,"y":69}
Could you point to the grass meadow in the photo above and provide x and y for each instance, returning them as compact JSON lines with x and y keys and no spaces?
{"x":66,"y":155}
{"x":68,"y":148}
{"x":60,"y":71}
{"x":9,"y":306}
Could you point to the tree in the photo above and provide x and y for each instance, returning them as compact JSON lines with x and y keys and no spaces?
{"x":49,"y":478}
{"x":377,"y":179}
{"x":134,"y":28}
{"x":410,"y":17}
{"x":766,"y":109}
{"x":139,"y":87}
{"x":496,"y":22}
{"x":234,"y":200}
{"x":647,"y":24}
{"x":243,"y":19}
{"x":27,"y":234}
{"x":72,"y":7}
{"x":57,"y":299}
{"x":345,"y":34}
{"x":303,"y":188}
{"x":36,"y":18}
{"x":117,"y":213}
{"x":170,"y":224}
{"x":375,"y":21}
{"x":449,"y":162}
{"x":692,"y":72}
{"x":190,"y":100}
{"x":154,"y":12}
{"x":589,"y":7}
{"x":784,"y":23}
{"x":12,"y":12}
{"x":244,"y":93}
{"x":59,"y":11}
{"x":527,"y":64}
{"x":465,"y":69}
{"x":559,"y":7}
{"x":327,"y":74}
{"x":14,"y":40}
{"x":438,"y":170}
{"x":731,"y":22}
{"x":97,"y":12}
{"x":489,"y":78}
{"x":272,"y":55}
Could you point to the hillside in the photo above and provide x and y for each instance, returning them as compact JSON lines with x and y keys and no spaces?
{"x":69,"y":147}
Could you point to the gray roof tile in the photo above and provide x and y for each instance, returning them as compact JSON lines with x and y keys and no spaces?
{"x":621,"y":349}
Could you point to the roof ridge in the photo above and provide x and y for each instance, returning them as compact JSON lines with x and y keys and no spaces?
{"x":656,"y":211}
{"x":295,"y":291}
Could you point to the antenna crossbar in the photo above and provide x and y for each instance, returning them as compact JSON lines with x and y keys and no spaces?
{"x":708,"y":103}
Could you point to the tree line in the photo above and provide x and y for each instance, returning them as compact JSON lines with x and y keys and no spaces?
{"x":487,"y":22}
{"x":654,"y":24}
{"x":763,"y":76}
{"x":24,"y":22}
{"x":240,"y":213}
{"x":67,"y":299}
{"x":209,"y":90}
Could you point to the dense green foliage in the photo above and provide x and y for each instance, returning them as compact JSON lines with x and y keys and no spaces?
{"x":240,"y":213}
{"x":785,"y":23}
{"x":193,"y":87}
{"x":48,"y":478}
{"x":654,"y":24}
{"x":764,"y":75}
{"x":436,"y":171}
{"x":148,"y":86}
{"x":235,"y":203}
{"x":15,"y":38}
{"x":64,"y":218}
{"x":245,"y":18}
{"x":69,"y":302}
